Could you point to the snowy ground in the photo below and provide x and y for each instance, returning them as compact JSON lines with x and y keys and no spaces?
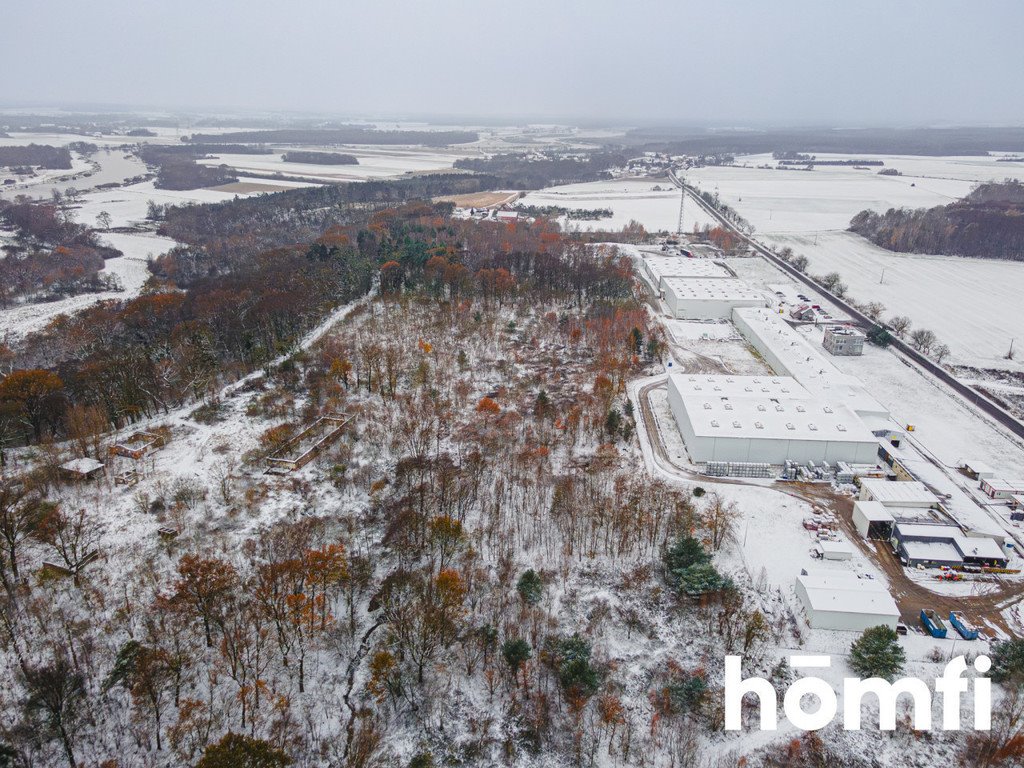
{"x":374,"y":162}
{"x":971,"y":304}
{"x":127,"y":208}
{"x":657,"y":210}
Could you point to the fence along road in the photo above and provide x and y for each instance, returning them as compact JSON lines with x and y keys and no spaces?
{"x":982,"y":403}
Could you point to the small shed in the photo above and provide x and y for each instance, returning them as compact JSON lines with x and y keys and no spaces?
{"x":873,"y":520}
{"x":136,"y":445}
{"x":835,"y":550}
{"x":979,"y":470}
{"x":84,"y":468}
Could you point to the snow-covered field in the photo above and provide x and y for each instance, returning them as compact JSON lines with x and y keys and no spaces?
{"x":374,"y":162}
{"x":971,"y":304}
{"x":787,"y":201}
{"x":652,"y":202}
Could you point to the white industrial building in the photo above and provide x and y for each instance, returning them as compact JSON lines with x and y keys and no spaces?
{"x":765,"y":424}
{"x":834,"y":550}
{"x":789,"y":353}
{"x":841,"y":600}
{"x":897,"y":493}
{"x":658,"y":268}
{"x":873,"y":520}
{"x":708,"y":298}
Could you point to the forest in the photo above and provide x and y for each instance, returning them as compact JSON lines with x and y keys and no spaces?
{"x":988,"y":223}
{"x":319,"y":158}
{"x":176,"y":168}
{"x":879,"y":141}
{"x":477,"y":572}
{"x":42,"y":155}
{"x":522,"y":171}
{"x":345,"y":135}
{"x":52,"y":256}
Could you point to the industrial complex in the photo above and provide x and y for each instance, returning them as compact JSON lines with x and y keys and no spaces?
{"x":808,"y":420}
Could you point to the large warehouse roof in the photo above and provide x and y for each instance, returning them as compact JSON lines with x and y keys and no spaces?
{"x":790,"y":354}
{"x":659,"y":267}
{"x":766,"y":417}
{"x":710,"y":289}
{"x":718,"y":385}
{"x":843,"y":591}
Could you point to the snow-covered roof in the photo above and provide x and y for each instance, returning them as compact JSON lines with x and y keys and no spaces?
{"x":873,"y":511}
{"x":980,"y":546}
{"x":82,"y":466}
{"x":796,"y":356}
{"x":980,"y":468}
{"x":998,"y":484}
{"x":842,"y":591}
{"x":681,"y":266}
{"x":898,"y":492}
{"x":927,"y":530}
{"x":835,"y":547}
{"x":844,"y":330}
{"x":711,"y":289}
{"x":943,"y":551}
{"x":712,"y":415}
{"x":718,"y":385}
{"x":966,"y":546}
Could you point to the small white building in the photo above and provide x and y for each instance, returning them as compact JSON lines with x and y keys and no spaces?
{"x":997,"y":488}
{"x":843,"y":340}
{"x":979,"y":470}
{"x":897,"y":493}
{"x":873,"y":520}
{"x":834,"y":550}
{"x":840,"y":600}
{"x":708,"y":298}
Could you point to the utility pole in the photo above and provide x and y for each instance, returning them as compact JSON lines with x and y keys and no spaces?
{"x":682,"y":199}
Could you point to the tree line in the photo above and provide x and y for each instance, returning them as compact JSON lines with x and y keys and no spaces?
{"x":988,"y":223}
{"x":42,"y":155}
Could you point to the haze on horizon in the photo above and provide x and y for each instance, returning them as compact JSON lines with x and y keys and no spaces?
{"x":742,"y":63}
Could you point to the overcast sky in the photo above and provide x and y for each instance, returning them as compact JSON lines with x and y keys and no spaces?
{"x":719,"y":62}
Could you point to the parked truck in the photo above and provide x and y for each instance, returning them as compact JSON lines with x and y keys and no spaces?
{"x":960,"y":623}
{"x":933,"y":623}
